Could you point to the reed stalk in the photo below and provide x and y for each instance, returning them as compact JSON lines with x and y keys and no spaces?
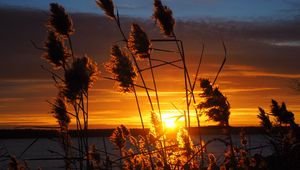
{"x":158,"y":105}
{"x":117,"y":20}
{"x":142,"y":122}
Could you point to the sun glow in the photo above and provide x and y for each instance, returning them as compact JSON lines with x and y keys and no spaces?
{"x":169,"y":123}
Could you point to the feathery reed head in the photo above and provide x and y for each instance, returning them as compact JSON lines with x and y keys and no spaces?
{"x":212,"y":158}
{"x":281,"y":113}
{"x":118,"y":137}
{"x":206,"y":86}
{"x":243,"y":138}
{"x":125,"y":131}
{"x":59,"y":21}
{"x":56,"y":52}
{"x":14,"y":164}
{"x":185,"y":142}
{"x":108,"y":7}
{"x":264,"y":119}
{"x":138,"y":42}
{"x":215,"y":105}
{"x":121,"y":68}
{"x":164,"y":17}
{"x":95,"y":157}
{"x":59,"y":111}
{"x":212,"y":162}
{"x":156,"y":125}
{"x":80,"y":77}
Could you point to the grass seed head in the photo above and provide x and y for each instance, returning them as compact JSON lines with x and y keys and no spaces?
{"x":108,"y":7}
{"x":163,"y":16}
{"x":118,"y":137}
{"x":215,"y":104}
{"x":59,"y":21}
{"x":80,"y":77}
{"x":59,"y":111}
{"x":185,"y":142}
{"x":138,"y":42}
{"x":121,"y":69}
{"x":56,"y":53}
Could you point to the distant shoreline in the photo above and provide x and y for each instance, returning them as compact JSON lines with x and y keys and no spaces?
{"x":41,"y":133}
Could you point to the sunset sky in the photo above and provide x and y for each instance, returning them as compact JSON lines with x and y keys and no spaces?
{"x":262,"y":38}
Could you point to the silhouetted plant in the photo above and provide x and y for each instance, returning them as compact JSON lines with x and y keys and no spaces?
{"x":15,"y":164}
{"x":281,"y":113}
{"x":214,"y":105}
{"x":212,"y":162}
{"x":108,"y":7}
{"x":158,"y":130}
{"x":59,"y":111}
{"x":264,"y":119}
{"x":138,"y":42}
{"x":185,"y":143}
{"x":121,"y":68}
{"x":217,"y":108}
{"x":80,"y":77}
{"x":283,"y":136}
{"x":117,"y":20}
{"x":139,"y":47}
{"x":73,"y":83}
{"x":59,"y":21}
{"x":56,"y":52}
{"x":158,"y":139}
{"x":164,"y":17}
{"x":166,"y":23}
{"x":95,"y":157}
{"x":147,"y":151}
{"x":118,"y":138}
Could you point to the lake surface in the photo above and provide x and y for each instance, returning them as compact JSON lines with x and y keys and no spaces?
{"x":42,"y":149}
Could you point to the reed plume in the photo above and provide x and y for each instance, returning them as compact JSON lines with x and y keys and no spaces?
{"x":138,"y":42}
{"x":212,"y":162}
{"x":108,"y":7}
{"x":14,"y":164}
{"x":55,"y":51}
{"x":185,"y":142}
{"x":95,"y":157}
{"x":215,"y":104}
{"x":59,"y":111}
{"x":122,"y":69}
{"x":264,"y":119}
{"x":217,"y":108}
{"x":59,"y":21}
{"x":163,"y":16}
{"x":281,"y":113}
{"x":80,"y":77}
{"x":118,"y":137}
{"x":243,"y":138}
{"x":156,"y":125}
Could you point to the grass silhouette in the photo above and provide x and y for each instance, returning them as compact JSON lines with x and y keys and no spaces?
{"x":74,"y":76}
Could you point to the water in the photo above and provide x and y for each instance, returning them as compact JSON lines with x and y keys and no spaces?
{"x":43,"y":148}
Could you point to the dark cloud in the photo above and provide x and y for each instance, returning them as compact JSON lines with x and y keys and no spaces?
{"x":248,"y":42}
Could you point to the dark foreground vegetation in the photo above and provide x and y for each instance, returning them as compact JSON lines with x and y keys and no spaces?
{"x":74,"y":76}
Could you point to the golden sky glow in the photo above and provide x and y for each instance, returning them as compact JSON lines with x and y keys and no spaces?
{"x":109,"y":108}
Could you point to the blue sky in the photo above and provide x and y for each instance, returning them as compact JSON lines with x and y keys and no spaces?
{"x":230,"y":9}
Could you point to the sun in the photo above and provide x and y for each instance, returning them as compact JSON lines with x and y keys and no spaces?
{"x":169,"y":123}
